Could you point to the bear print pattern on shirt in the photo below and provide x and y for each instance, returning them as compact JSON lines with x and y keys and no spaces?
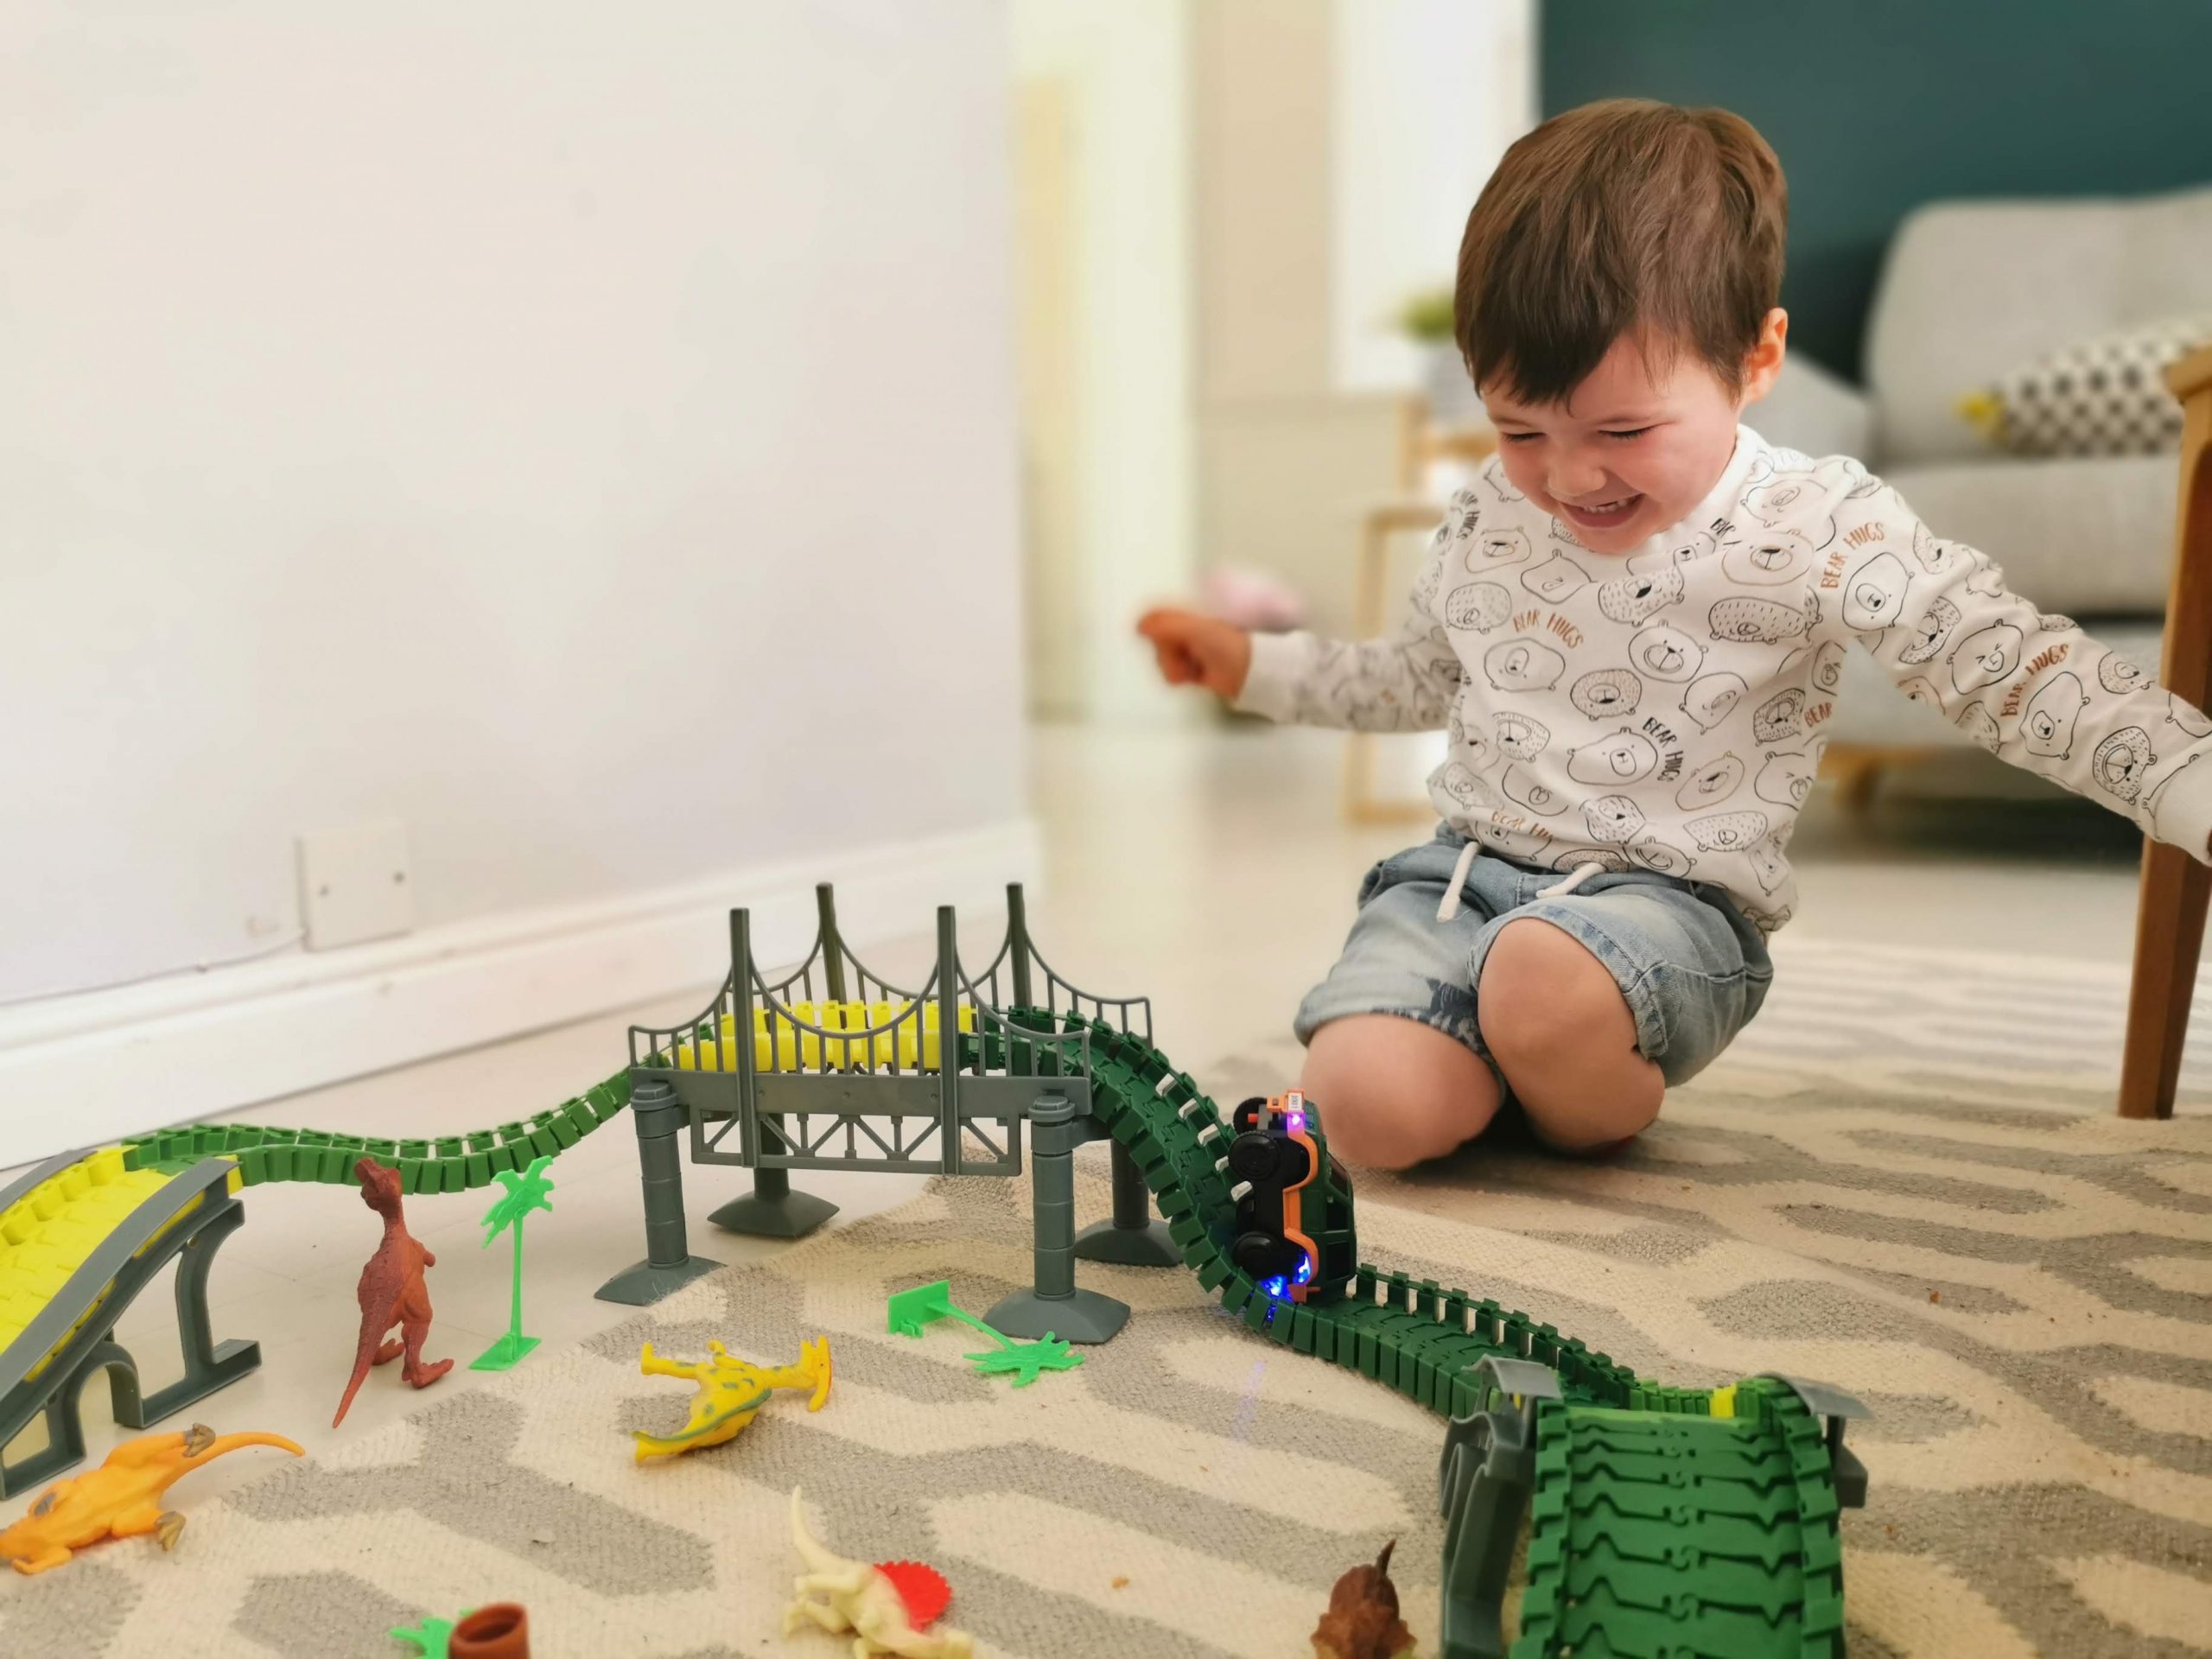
{"x":1556,"y":579}
{"x":1523,"y":665}
{"x":1713,"y":697}
{"x":1604,"y":692}
{"x":1711,"y":783}
{"x":1665,"y":652}
{"x":1666,"y":711}
{"x":2048,"y":726}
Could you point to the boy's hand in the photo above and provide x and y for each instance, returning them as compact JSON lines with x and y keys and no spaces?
{"x":1198,"y":650}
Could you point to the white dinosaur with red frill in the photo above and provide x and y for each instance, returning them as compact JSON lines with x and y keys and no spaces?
{"x":887,"y":1608}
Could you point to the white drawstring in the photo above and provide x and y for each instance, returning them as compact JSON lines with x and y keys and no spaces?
{"x":1583,"y":872}
{"x":1450,"y":907}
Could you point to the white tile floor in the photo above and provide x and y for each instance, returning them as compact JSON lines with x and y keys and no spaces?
{"x":1207,"y":869}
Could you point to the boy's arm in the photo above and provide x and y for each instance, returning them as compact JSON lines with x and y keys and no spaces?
{"x":2029,"y":686}
{"x":1404,"y":682}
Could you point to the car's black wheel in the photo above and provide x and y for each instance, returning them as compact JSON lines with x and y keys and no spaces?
{"x":1255,"y":1156}
{"x":1264,"y":1255}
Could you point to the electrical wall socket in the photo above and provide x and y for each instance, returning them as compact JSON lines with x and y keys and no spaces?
{"x":355,"y":883}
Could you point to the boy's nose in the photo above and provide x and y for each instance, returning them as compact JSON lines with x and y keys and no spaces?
{"x":1574,"y":479}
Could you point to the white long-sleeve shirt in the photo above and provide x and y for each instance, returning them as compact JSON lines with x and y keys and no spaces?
{"x":1667,"y":708}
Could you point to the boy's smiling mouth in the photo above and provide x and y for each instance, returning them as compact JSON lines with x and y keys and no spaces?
{"x":1602,"y":515}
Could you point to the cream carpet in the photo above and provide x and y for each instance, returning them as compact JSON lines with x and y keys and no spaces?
{"x":1904,"y":1179}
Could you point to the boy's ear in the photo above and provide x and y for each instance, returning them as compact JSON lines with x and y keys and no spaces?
{"x":1764,"y":361}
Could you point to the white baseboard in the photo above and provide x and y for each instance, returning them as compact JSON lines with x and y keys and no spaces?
{"x":96,"y":1068}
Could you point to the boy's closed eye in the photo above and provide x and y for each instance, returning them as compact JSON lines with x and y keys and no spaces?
{"x":1528,"y":437}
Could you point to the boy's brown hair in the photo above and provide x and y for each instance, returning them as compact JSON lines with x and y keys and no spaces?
{"x":1620,"y":215}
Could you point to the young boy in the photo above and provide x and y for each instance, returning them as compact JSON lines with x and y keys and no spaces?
{"x":1633,"y":627}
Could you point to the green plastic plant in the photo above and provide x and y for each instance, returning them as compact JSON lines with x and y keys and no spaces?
{"x":525,"y":1192}
{"x":1025,"y":1362}
{"x":431,"y":1637}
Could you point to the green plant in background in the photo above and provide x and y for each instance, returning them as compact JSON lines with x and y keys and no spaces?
{"x":525,"y":1192}
{"x":1426,"y":317}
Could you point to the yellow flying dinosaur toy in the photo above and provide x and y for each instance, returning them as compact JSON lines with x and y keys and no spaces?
{"x":731,"y":1393}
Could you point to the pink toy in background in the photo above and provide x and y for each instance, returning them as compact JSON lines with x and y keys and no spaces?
{"x":1249,"y":600}
{"x":392,"y":1292}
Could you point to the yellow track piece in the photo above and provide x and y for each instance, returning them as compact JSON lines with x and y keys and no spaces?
{"x":795,"y":1049}
{"x":49,"y":1233}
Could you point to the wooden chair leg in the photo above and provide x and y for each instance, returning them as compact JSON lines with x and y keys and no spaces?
{"x":2169,"y":916}
{"x":2169,"y":936}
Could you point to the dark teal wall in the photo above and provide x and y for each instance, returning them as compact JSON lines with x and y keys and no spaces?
{"x":1877,"y":106}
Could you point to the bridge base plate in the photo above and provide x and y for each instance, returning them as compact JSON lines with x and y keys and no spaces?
{"x":1084,"y":1317}
{"x":644,"y":1284}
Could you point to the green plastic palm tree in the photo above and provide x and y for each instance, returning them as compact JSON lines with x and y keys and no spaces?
{"x":431,"y":1637}
{"x":525,"y":1192}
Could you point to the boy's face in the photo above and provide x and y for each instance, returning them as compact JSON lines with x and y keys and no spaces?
{"x":1636,"y":445}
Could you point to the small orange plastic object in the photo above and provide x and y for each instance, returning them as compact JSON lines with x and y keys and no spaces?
{"x":500,"y":1631}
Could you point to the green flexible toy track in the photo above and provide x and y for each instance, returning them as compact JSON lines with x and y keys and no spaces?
{"x":1658,"y":1529}
{"x":1665,"y":1522}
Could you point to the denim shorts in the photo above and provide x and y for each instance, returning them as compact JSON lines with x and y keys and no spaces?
{"x":1692,"y":969}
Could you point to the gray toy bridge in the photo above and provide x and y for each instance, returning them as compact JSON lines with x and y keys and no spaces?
{"x":834,"y":1067}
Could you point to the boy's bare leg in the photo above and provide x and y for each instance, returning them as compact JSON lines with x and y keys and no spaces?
{"x":1561,"y":1031}
{"x":1393,"y":1091}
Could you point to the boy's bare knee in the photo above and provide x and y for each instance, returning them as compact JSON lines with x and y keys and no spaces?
{"x":1629,"y":1106}
{"x":1554,"y":1018}
{"x":1544,"y":996}
{"x":1392,"y":1092}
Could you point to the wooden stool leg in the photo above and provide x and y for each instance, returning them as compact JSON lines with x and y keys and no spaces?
{"x":2169,"y":935}
{"x":1857,"y":786}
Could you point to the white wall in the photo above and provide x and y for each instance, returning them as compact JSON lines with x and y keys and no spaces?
{"x":584,"y":432}
{"x":1429,"y":94}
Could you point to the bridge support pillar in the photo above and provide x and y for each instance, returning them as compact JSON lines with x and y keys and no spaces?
{"x":1132,"y":1238}
{"x":1053,"y":1306}
{"x":772,"y":1209}
{"x":669,"y":1265}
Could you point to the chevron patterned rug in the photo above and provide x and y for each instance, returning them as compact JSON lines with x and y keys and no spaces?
{"x":1904,"y":1179}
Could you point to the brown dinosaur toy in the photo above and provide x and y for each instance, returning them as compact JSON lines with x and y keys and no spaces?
{"x":392,"y":1292}
{"x":122,"y":1498}
{"x":1363,"y":1620}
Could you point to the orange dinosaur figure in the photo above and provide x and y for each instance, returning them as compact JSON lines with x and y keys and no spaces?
{"x":122,"y":1498}
{"x":392,"y":1292}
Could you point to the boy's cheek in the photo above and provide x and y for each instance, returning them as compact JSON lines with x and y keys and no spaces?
{"x":1522,"y":475}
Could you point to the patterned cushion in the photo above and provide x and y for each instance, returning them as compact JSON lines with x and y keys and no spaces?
{"x":2102,"y":396}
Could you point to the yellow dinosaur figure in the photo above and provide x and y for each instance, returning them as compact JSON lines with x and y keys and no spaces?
{"x":122,"y":1498}
{"x":731,"y":1393}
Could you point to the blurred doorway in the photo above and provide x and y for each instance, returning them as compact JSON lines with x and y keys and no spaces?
{"x":1044,"y":248}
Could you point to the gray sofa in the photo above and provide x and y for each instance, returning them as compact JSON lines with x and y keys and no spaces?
{"x":1969,"y":290}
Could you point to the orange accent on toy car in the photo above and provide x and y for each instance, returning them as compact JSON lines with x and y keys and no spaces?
{"x":1285,"y":1106}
